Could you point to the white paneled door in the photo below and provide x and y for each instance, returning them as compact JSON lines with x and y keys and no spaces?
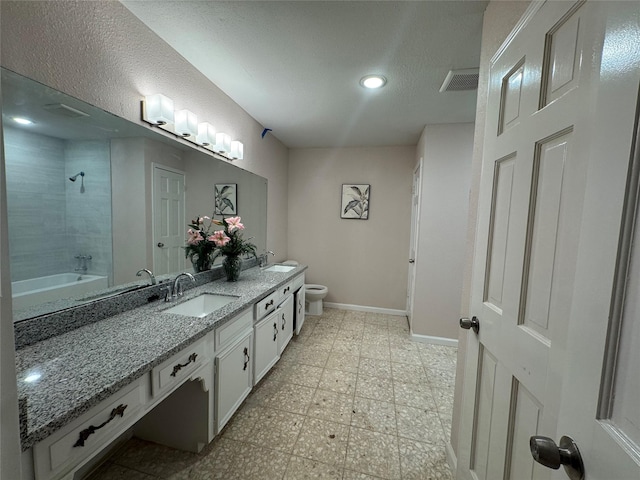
{"x":413,"y":247}
{"x":553,"y":258}
{"x":169,"y":226}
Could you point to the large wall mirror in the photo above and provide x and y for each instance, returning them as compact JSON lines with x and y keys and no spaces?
{"x":93,"y":198}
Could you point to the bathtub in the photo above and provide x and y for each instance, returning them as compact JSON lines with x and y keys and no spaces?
{"x":35,"y":291}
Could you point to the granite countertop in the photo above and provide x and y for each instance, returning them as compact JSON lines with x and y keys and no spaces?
{"x":80,"y":368}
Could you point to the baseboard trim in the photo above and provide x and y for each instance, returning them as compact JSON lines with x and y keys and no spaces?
{"x":362,"y":308}
{"x":449,"y":342}
{"x":451,"y":458}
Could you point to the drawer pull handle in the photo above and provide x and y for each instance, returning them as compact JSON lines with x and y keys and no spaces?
{"x":90,"y":430}
{"x":177,"y":368}
{"x":286,"y":290}
{"x":246,"y":358}
{"x":268,"y":304}
{"x":284,"y":321}
{"x":275,"y":331}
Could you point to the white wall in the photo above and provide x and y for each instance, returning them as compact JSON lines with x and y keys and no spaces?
{"x":445,"y":178}
{"x":101,"y":53}
{"x":362,"y":262}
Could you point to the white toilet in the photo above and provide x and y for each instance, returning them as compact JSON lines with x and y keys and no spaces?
{"x":314,"y":294}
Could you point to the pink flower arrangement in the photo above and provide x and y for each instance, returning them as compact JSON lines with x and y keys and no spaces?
{"x":204,"y":244}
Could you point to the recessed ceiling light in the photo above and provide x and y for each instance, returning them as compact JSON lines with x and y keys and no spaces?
{"x":22,"y":121}
{"x":373,"y":81}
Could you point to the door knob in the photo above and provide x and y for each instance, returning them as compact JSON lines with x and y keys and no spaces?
{"x":473,"y":324}
{"x":545,"y":451}
{"x":160,"y":244}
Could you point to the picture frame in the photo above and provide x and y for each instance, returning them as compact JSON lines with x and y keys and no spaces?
{"x":354,"y":203}
{"x":226,"y":198}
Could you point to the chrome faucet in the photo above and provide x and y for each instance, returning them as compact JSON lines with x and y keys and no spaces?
{"x":148,"y":272}
{"x":264,"y":258}
{"x":176,"y":291}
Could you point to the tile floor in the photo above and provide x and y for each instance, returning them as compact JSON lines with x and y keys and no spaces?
{"x":351,"y":398}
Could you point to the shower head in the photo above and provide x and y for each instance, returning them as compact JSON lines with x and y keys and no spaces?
{"x":73,"y":179}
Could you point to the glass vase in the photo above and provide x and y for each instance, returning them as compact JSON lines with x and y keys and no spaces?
{"x":232,"y":265}
{"x":200,"y":264}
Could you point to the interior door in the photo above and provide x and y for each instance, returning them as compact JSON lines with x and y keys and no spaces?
{"x":413,"y":246}
{"x":560,"y":121}
{"x":168,"y":220}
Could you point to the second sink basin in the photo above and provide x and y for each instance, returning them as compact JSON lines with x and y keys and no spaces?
{"x":280,"y":268}
{"x":202,"y":305}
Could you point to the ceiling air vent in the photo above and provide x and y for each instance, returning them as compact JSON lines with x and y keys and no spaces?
{"x":459,"y":80}
{"x":65,"y":110}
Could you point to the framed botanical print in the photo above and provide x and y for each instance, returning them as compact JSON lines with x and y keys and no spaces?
{"x":226,"y":197}
{"x":355,"y":201}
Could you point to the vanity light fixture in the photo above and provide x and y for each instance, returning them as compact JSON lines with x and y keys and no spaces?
{"x":373,"y":81}
{"x":157,"y":109}
{"x":223,"y":144}
{"x":22,"y":121}
{"x":237,"y":150}
{"x":206,"y":135}
{"x":186,"y":124}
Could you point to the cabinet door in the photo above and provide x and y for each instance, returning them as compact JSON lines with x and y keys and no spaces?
{"x":234,"y":378}
{"x":284,"y":316}
{"x":266,"y":352}
{"x":299,"y":309}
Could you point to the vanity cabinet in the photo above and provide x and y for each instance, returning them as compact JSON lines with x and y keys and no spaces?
{"x":205,"y":381}
{"x":59,"y":454}
{"x":267,"y":352}
{"x":176,"y":370}
{"x":284,"y":317}
{"x":234,"y":378}
{"x":299,"y":304}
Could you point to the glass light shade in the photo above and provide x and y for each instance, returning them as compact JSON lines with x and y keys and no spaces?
{"x":237,"y":150}
{"x":223,"y":143}
{"x":186,"y":123}
{"x":206,"y":135}
{"x":158,"y":110}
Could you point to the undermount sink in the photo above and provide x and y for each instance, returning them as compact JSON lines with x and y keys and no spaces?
{"x":280,"y":268}
{"x":202,"y":305}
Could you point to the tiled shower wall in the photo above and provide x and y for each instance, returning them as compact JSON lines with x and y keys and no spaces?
{"x":50,"y":221}
{"x":89,"y":213}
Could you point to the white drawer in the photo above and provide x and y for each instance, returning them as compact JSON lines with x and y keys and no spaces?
{"x":297,"y":282}
{"x":232,"y":329}
{"x":267,"y":305}
{"x":70,"y":446}
{"x":175,"y":370}
{"x":286,"y":289}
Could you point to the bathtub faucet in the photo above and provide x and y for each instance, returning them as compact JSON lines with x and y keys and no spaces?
{"x":148,"y":272}
{"x":82,"y":263}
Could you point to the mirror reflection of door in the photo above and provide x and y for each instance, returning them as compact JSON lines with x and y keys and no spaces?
{"x":168,"y":220}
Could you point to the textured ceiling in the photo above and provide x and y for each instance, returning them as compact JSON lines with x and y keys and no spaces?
{"x":295,"y":66}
